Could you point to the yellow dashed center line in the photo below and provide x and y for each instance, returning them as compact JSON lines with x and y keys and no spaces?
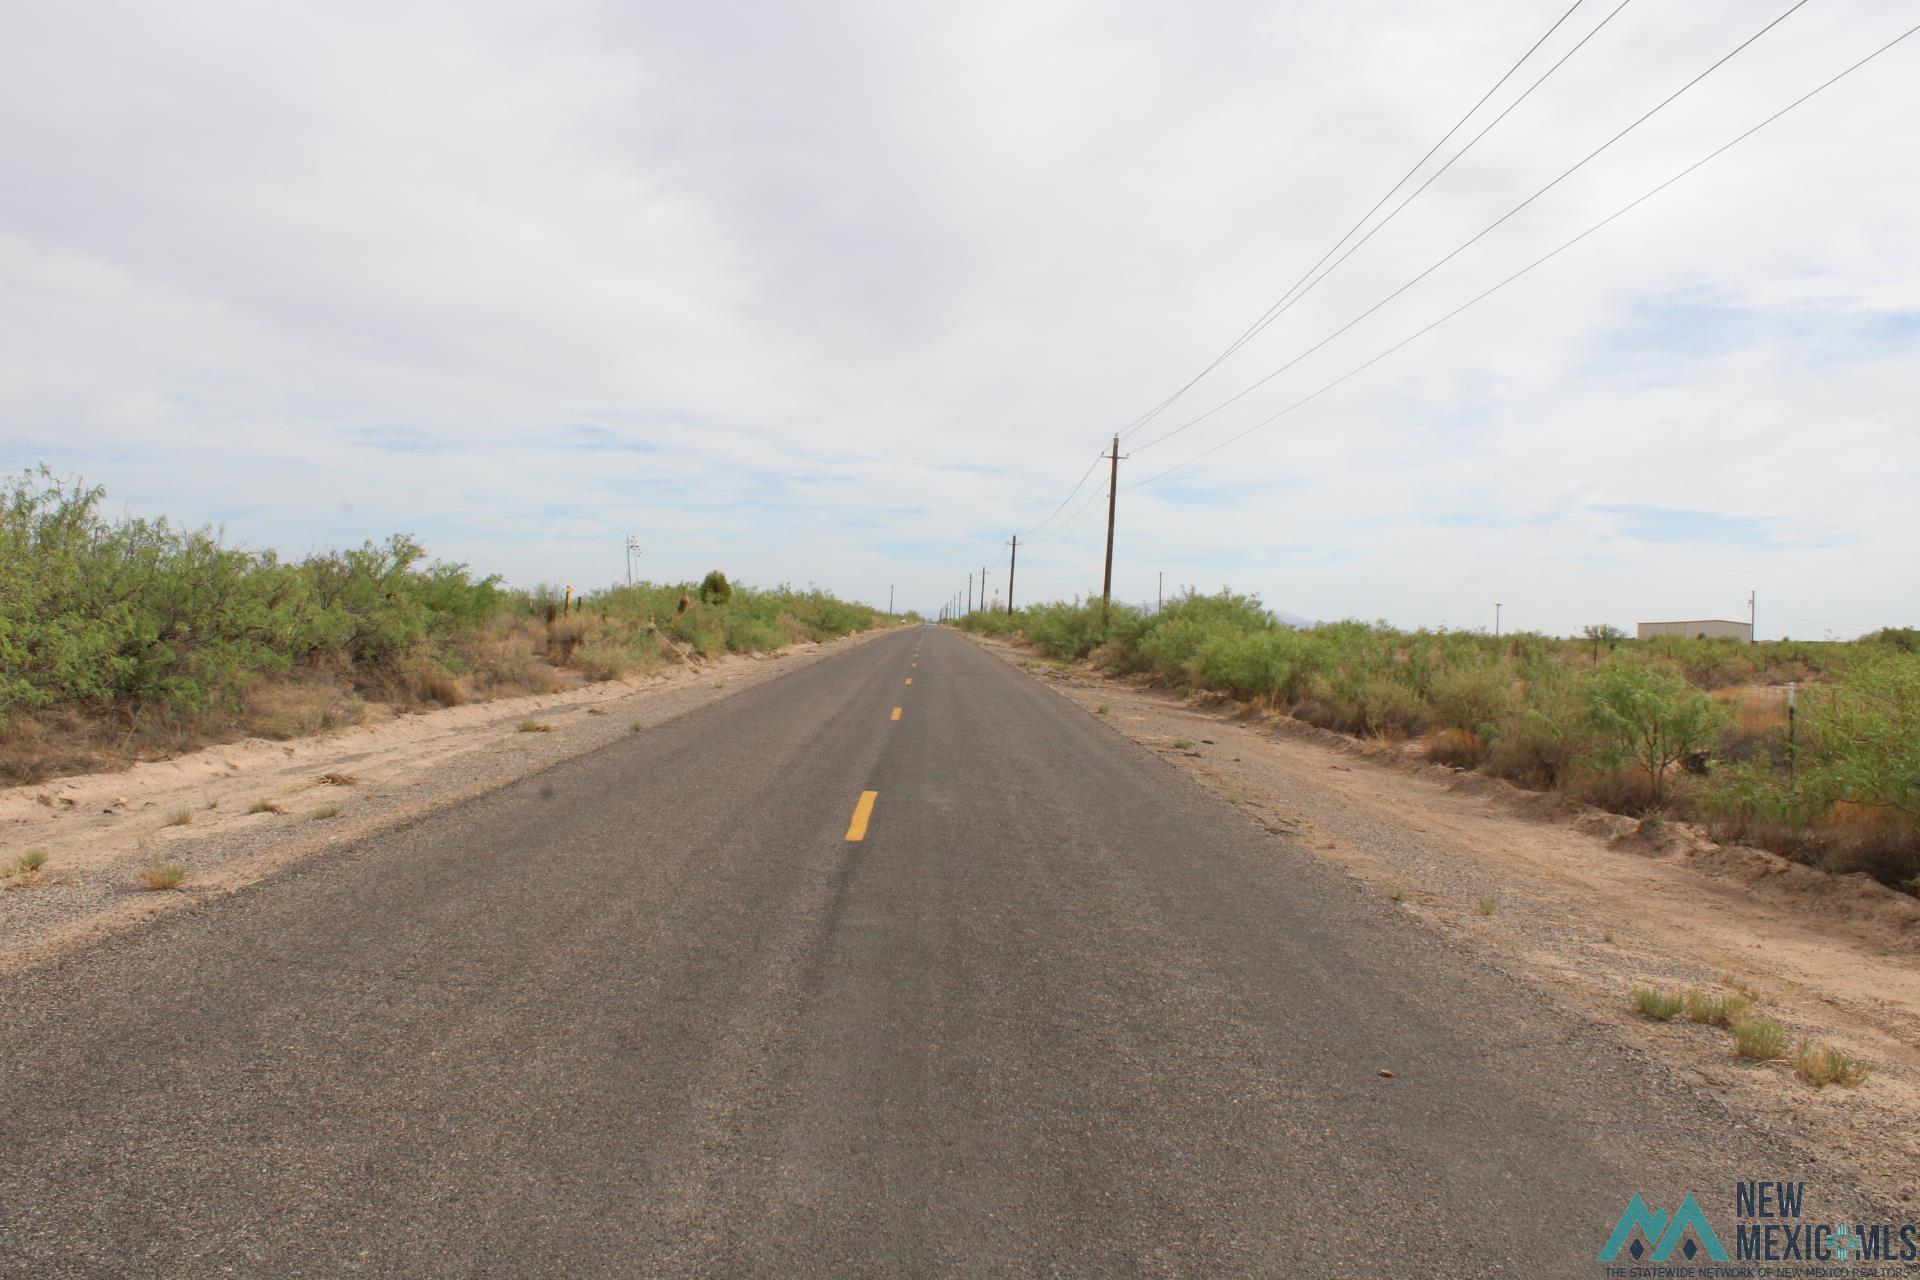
{"x":896,"y":713}
{"x":909,"y":679}
{"x":862,"y":813}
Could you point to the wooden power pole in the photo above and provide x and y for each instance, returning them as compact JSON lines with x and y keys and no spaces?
{"x":1113,"y":488}
{"x":1012,"y":556}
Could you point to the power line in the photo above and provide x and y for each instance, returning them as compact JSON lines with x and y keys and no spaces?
{"x":1069,"y":498}
{"x":1482,"y":233}
{"x":1073,"y":521}
{"x":1287,"y":299}
{"x":1714,"y":154}
{"x":1283,"y":302}
{"x":1431,"y":179}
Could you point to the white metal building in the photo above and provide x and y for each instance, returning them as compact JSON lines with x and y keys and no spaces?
{"x":1700,"y":629}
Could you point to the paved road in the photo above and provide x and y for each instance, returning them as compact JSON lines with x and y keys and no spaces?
{"x":1060,"y":1012}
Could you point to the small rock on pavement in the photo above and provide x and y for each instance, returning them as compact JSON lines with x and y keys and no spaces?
{"x":1386,"y":1074}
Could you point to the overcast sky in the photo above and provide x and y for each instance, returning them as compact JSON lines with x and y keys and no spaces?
{"x":849,"y":293}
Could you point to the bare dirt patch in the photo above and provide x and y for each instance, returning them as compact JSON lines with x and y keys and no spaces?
{"x":1585,"y":905}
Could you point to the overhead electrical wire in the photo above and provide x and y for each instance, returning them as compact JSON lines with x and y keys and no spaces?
{"x":1073,"y":521}
{"x":1624,"y":209}
{"x":1481,"y":234}
{"x":1286,"y":299}
{"x":1035,"y":531}
{"x":1413,"y":195}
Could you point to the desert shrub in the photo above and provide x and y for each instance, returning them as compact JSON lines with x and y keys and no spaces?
{"x":1272,"y":664}
{"x":1545,"y":736}
{"x":1475,"y":696}
{"x":1863,"y":739}
{"x":1899,"y":639}
{"x":1649,"y":719}
{"x":1074,"y":630}
{"x":610,"y":655}
{"x":1705,"y":663}
{"x":1388,"y":706}
{"x":715,"y":589}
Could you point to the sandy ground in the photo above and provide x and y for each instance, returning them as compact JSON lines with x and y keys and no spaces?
{"x":100,"y":831}
{"x":1585,"y":905}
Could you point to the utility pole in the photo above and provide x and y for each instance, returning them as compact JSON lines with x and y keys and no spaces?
{"x":983,"y":588}
{"x":1113,"y":489}
{"x":1753,"y":617}
{"x":890,"y":597}
{"x":1496,"y":619}
{"x":1160,"y":591}
{"x":1012,"y":556}
{"x":633,"y":553}
{"x":970,"y":592}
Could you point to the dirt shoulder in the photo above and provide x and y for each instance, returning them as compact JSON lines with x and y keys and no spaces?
{"x":1583,"y":905}
{"x":252,"y":807}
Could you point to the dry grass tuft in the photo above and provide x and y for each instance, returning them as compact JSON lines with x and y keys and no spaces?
{"x":1716,"y":1011}
{"x":1661,"y":1006}
{"x":1822,"y":1064}
{"x":1103,"y":708}
{"x":338,"y":779}
{"x":638,"y":727}
{"x":535,"y":726}
{"x":327,"y":811}
{"x":1487,"y":905}
{"x":163,"y":875}
{"x":178,"y":817}
{"x":265,"y":806}
{"x":1456,"y":748}
{"x":1761,"y":1039}
{"x":23,"y":870}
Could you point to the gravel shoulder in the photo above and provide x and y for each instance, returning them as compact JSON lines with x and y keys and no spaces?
{"x":99,"y":831}
{"x":1583,"y":906}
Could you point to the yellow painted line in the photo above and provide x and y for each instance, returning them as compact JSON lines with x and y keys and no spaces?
{"x":862,"y":812}
{"x":896,"y":713}
{"x":909,"y":679}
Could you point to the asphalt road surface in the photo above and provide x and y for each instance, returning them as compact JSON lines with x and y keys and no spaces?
{"x":654,"y":1012}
